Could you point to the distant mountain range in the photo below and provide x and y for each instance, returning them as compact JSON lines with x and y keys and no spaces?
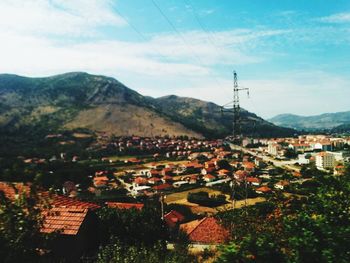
{"x":80,"y":100}
{"x":327,"y":121}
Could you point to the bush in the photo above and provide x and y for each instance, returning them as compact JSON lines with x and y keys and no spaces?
{"x":203,"y":198}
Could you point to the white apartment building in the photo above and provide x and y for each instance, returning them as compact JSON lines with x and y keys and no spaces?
{"x":273,"y":148}
{"x":325,"y":160}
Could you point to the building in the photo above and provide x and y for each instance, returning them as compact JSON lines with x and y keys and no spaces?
{"x":206,"y":231}
{"x":323,"y":146}
{"x":263,"y":190}
{"x":281,"y":185}
{"x":300,"y":147}
{"x":173,"y":218}
{"x":273,"y":148}
{"x":302,"y":159}
{"x":325,"y":160}
{"x":76,"y":227}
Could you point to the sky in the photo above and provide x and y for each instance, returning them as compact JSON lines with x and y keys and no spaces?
{"x":293,"y":55}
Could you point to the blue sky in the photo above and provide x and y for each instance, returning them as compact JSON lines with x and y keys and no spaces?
{"x":293,"y":55}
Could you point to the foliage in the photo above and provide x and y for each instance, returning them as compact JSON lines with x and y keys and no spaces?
{"x":131,"y":226}
{"x":203,"y":198}
{"x":116,"y":252}
{"x":310,"y":170}
{"x":224,"y":164}
{"x":316,"y":229}
{"x":20,"y":223}
{"x":290,"y":153}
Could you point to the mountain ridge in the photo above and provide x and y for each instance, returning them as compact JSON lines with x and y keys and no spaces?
{"x":324,"y":121}
{"x":81,"y":100}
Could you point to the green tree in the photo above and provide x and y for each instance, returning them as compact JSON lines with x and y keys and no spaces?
{"x":20,"y":223}
{"x":316,"y":229}
{"x":132,"y":226}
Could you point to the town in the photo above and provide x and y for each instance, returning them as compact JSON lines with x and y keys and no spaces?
{"x":191,"y":181}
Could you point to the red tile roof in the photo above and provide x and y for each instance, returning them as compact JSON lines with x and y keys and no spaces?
{"x":140,"y":180}
{"x":12,"y":190}
{"x":253,"y":180}
{"x":263,"y":189}
{"x":173,"y":217}
{"x":66,"y":220}
{"x":209,"y":176}
{"x":64,"y":201}
{"x":162,"y":187}
{"x":124,"y":205}
{"x":206,"y":230}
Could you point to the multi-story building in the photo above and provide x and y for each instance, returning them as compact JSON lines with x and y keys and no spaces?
{"x":325,"y":160}
{"x":273,"y":148}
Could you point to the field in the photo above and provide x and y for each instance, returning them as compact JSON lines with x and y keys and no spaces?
{"x":181,"y":199}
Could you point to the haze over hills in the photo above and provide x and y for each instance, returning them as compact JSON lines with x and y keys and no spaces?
{"x":326,"y":121}
{"x":99,"y":103}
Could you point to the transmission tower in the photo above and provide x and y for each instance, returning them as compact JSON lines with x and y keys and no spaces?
{"x":237,"y":124}
{"x":235,"y":109}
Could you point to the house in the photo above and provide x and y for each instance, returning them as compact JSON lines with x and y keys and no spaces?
{"x":263,"y":190}
{"x":249,"y":167}
{"x":101,"y":181}
{"x":206,"y":231}
{"x":162,"y":187}
{"x":173,"y":218}
{"x":167,"y":179}
{"x":210,"y":164}
{"x":224,"y":172}
{"x":209,"y":178}
{"x":253,"y":181}
{"x":281,"y":184}
{"x":297,"y":174}
{"x":139,"y":190}
{"x":139,"y":181}
{"x":77,"y":231}
{"x":73,"y":220}
{"x":205,"y":171}
{"x":154,"y":180}
{"x":193,"y":179}
{"x":325,"y":160}
{"x":240,"y":175}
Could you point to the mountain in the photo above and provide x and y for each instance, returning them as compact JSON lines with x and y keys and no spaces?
{"x":80,"y":100}
{"x":325,"y":121}
{"x":208,"y":117}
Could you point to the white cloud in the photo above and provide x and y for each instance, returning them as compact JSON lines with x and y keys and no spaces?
{"x":299,"y":92}
{"x":336,"y":18}
{"x":57,"y":17}
{"x":38,"y":38}
{"x":165,"y":54}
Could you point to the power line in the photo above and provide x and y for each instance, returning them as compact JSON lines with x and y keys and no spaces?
{"x":138,"y":32}
{"x":142,"y":36}
{"x":182,"y":37}
{"x":208,"y":33}
{"x":177,"y":31}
